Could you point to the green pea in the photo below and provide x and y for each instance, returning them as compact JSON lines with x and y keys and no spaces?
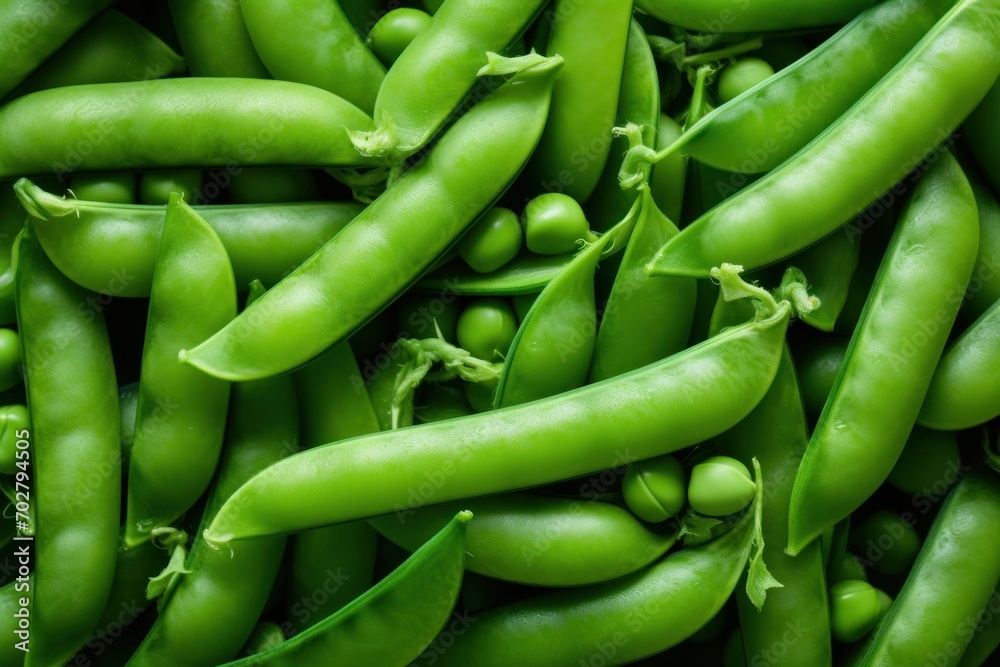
{"x":741,"y":76}
{"x":10,"y":359}
{"x":554,"y":223}
{"x":493,"y":241}
{"x":929,"y":463}
{"x":112,"y":187}
{"x":155,"y":186}
{"x":855,"y":608}
{"x":720,"y":485}
{"x":486,"y":328}
{"x":394,"y":32}
{"x":888,"y":541}
{"x":655,"y":489}
{"x":13,"y":418}
{"x":419,"y":314}
{"x":850,"y":567}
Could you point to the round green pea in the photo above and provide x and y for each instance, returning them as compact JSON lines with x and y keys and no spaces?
{"x":418,"y":314}
{"x":855,"y":608}
{"x":10,"y":359}
{"x":155,"y":186}
{"x":13,"y":419}
{"x":654,"y":489}
{"x":493,"y":241}
{"x":486,"y":328}
{"x":720,"y":485}
{"x":554,"y":224}
{"x":888,"y":542}
{"x":112,"y":187}
{"x":741,"y":76}
{"x":929,"y":464}
{"x":394,"y":32}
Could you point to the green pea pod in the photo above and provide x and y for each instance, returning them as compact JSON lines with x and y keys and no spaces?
{"x":538,"y":540}
{"x":772,"y":121}
{"x":829,"y":265}
{"x":348,"y":287}
{"x":985,"y":638}
{"x":619,"y":621}
{"x":984,"y":288}
{"x":35,"y":29}
{"x":11,"y":221}
{"x":954,"y":575}
{"x":724,"y":16}
{"x":215,"y":606}
{"x":528,"y":273}
{"x":331,"y":566}
{"x":891,"y":358}
{"x":554,"y":345}
{"x":75,"y":453}
{"x":10,"y":655}
{"x":215,"y":41}
{"x":181,"y":414}
{"x":965,"y":389}
{"x":646,"y":319}
{"x":185,"y":122}
{"x":393,"y":622}
{"x":639,"y":104}
{"x":669,"y":176}
{"x":592,"y":37}
{"x":110,"y":49}
{"x":438,"y":70}
{"x":314,"y":42}
{"x":673,"y":404}
{"x":983,"y":137}
{"x":262,"y":241}
{"x":794,"y":206}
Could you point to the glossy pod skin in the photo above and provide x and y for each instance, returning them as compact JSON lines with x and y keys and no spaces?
{"x":513,"y":448}
{"x":112,"y":48}
{"x":983,"y":137}
{"x":393,"y":622}
{"x":592,"y":37}
{"x":794,"y":206}
{"x":954,"y":576}
{"x":210,"y":614}
{"x":35,"y":29}
{"x":538,"y":540}
{"x":438,"y":69}
{"x":313,"y":42}
{"x":630,"y":618}
{"x":186,"y":122}
{"x":388,"y":247}
{"x":9,"y":655}
{"x":738,"y":16}
{"x":263,"y":242}
{"x":527,"y":273}
{"x":74,"y":427}
{"x":772,"y":121}
{"x":646,"y":318}
{"x":214,"y":39}
{"x":181,"y":415}
{"x":965,"y":389}
{"x":892,"y":354}
{"x":828,"y":266}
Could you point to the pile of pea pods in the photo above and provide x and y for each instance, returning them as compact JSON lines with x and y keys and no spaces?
{"x":499,"y":333}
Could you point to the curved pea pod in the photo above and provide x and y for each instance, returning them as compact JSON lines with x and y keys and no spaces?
{"x":181,"y":413}
{"x":965,"y":389}
{"x":215,"y":605}
{"x":35,"y":29}
{"x":410,"y":108}
{"x":314,"y":43}
{"x":646,"y":318}
{"x":538,"y":540}
{"x":127,"y":600}
{"x":675,"y":403}
{"x":794,"y":206}
{"x":766,"y":125}
{"x":592,"y":37}
{"x":954,"y":576}
{"x":74,"y":428}
{"x":183,"y":122}
{"x":985,"y":639}
{"x":527,"y":273}
{"x":892,"y":354}
{"x":722,"y":16}
{"x":554,"y":345}
{"x":392,"y":623}
{"x":386,"y":249}
{"x":263,"y":241}
{"x":983,"y":136}
{"x":829,"y":267}
{"x":984,"y":288}
{"x":214,"y":39}
{"x":621,"y":621}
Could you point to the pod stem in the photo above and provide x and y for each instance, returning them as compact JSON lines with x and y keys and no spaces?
{"x":162,"y":585}
{"x":793,"y":291}
{"x":724,"y":53}
{"x":759,"y":578}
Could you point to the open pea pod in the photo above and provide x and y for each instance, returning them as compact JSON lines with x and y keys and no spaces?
{"x":394,"y":621}
{"x":554,"y":345}
{"x":528,"y":273}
